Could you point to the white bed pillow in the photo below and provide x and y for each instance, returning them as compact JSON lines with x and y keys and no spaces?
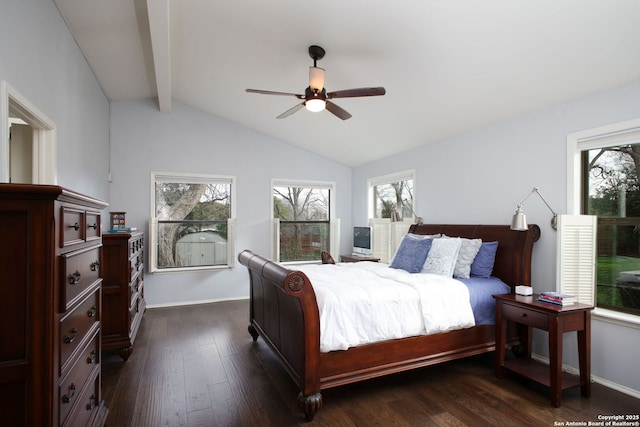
{"x":442,"y":257}
{"x":468,"y":250}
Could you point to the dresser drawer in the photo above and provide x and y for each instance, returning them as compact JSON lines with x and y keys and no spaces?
{"x":134,"y":310}
{"x":76,"y":325}
{"x":134,"y":287}
{"x":79,"y":270}
{"x":72,"y":226}
{"x":87,"y":403}
{"x":93,"y":226}
{"x":136,"y":264}
{"x":135,"y":245}
{"x":525,"y":316}
{"x":72,"y":385}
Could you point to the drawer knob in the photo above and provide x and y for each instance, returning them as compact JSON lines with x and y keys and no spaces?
{"x":68,"y":339}
{"x":94,"y":226}
{"x":67,"y":398}
{"x":92,"y":312}
{"x":524,"y":314}
{"x":93,"y":357}
{"x":92,"y":403}
{"x":74,"y":278}
{"x":95,"y":266}
{"x":75,"y":226}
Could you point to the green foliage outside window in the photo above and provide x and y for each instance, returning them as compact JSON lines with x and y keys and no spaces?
{"x":612,"y":192}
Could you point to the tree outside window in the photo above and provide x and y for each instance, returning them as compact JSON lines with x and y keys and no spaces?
{"x":611,"y":191}
{"x":394,"y":196}
{"x":191,"y":218}
{"x":304,"y":217}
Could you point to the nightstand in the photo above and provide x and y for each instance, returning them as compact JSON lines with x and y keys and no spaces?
{"x":556,"y":319}
{"x":357,"y":258}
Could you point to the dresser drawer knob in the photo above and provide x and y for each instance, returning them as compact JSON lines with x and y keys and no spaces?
{"x":75,"y":226}
{"x":74,"y":278}
{"x":92,"y":312}
{"x":92,"y":403}
{"x":67,"y":398}
{"x":94,"y":226}
{"x":68,"y":339}
{"x":95,"y":266}
{"x":93,"y":357}
{"x":524,"y":314}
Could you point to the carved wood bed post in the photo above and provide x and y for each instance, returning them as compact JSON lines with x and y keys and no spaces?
{"x":309,"y":398}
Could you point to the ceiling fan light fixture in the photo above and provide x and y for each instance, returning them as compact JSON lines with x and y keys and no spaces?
{"x":315,"y":105}
{"x":316,"y":78}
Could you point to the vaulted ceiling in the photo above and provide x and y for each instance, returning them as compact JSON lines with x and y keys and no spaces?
{"x":447,"y":66}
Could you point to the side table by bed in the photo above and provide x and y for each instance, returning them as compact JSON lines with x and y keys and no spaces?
{"x":357,"y":258}
{"x":556,"y":319}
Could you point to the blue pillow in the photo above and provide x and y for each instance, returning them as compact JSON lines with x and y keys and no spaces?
{"x":411,"y":254}
{"x":482,"y":265}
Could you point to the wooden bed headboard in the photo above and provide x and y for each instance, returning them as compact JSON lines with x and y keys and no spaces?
{"x":513,"y":257}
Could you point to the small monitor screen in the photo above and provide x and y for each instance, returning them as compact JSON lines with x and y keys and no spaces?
{"x":362,"y":240}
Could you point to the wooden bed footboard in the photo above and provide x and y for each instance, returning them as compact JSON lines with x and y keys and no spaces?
{"x":284,"y":311}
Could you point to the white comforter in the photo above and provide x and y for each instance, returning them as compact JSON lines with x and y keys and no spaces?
{"x":365,"y":302}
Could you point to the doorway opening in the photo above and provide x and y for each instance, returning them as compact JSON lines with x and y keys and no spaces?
{"x":27,"y":140}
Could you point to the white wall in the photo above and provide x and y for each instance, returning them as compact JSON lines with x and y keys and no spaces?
{"x":188,"y":140}
{"x":40,"y":60}
{"x":479,"y":177}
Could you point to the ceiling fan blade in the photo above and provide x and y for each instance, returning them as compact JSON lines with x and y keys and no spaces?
{"x":290,"y":111}
{"x":270,"y":92}
{"x":338,"y":111}
{"x":353,"y":93}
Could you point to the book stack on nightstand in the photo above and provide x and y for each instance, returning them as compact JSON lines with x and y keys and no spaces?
{"x":557,"y":298}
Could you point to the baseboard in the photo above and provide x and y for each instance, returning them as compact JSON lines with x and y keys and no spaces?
{"x":181,"y":303}
{"x":594,"y":378}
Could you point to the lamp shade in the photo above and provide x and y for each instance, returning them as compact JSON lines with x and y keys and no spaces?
{"x":519,"y":221}
{"x":315,"y":105}
{"x":316,"y":79}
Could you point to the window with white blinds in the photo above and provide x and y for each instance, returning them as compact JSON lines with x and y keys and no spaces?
{"x":603,"y":170}
{"x":577,"y":256}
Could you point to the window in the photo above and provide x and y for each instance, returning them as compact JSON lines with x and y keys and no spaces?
{"x":389,"y":193}
{"x":303,"y":223}
{"x":392,"y":193}
{"x":192,"y":222}
{"x":608,"y":161}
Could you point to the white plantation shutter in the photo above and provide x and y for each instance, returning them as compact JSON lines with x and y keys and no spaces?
{"x":577,"y":246}
{"x":153,"y":247}
{"x":380,"y":238}
{"x":334,"y":236}
{"x":275,"y":240}
{"x":231,"y":242}
{"x":398,"y":230}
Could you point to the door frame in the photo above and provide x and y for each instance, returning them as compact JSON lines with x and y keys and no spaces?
{"x":44,"y":135}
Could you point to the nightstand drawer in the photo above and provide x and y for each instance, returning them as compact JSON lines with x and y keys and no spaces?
{"x":526,"y":316}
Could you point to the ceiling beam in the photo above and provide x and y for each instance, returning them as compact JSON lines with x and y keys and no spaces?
{"x":158,"y":11}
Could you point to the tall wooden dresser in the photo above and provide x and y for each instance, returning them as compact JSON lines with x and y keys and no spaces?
{"x":50,"y":287}
{"x":123,"y":302}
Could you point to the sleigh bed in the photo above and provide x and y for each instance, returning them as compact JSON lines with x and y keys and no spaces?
{"x":284,"y":311}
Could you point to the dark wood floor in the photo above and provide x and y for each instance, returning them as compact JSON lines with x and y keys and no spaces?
{"x":197,"y":366}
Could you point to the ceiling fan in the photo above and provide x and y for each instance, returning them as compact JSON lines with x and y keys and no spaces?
{"x":316,"y":98}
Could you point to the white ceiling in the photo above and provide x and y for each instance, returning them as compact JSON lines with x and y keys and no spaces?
{"x":448,"y":66}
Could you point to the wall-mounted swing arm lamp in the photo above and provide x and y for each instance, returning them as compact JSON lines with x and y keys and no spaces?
{"x":519,"y":221}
